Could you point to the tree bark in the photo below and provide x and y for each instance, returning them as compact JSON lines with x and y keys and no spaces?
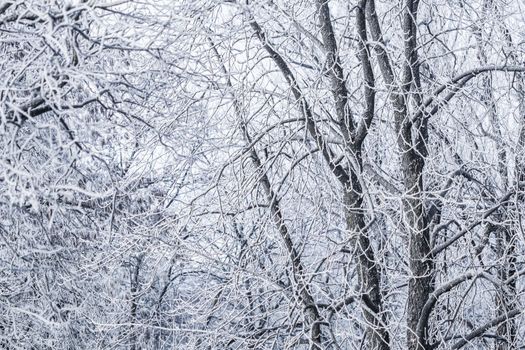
{"x":411,"y":139}
{"x":377,"y":335}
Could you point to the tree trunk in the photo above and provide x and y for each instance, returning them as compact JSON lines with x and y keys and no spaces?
{"x":412,"y":136}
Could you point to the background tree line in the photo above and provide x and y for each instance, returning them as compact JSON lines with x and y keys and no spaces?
{"x":262,"y":174}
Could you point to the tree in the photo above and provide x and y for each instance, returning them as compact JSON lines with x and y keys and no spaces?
{"x":262,"y":174}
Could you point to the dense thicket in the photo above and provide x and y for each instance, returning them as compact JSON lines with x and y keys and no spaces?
{"x":262,"y":174}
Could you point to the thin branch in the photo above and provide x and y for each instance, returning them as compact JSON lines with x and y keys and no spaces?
{"x":482,"y":329}
{"x":339,"y":172}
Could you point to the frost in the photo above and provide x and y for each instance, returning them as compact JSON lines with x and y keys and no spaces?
{"x":262,"y":174}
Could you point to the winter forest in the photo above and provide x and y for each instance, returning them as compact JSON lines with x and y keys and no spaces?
{"x":262,"y":174}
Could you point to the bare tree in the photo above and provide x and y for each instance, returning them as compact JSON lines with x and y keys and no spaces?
{"x":262,"y":174}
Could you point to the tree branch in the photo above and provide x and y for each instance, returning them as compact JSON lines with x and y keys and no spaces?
{"x":457,"y":83}
{"x":482,"y":329}
{"x":335,"y":71}
{"x":368,"y":75}
{"x":339,"y":172}
{"x":438,"y":249}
